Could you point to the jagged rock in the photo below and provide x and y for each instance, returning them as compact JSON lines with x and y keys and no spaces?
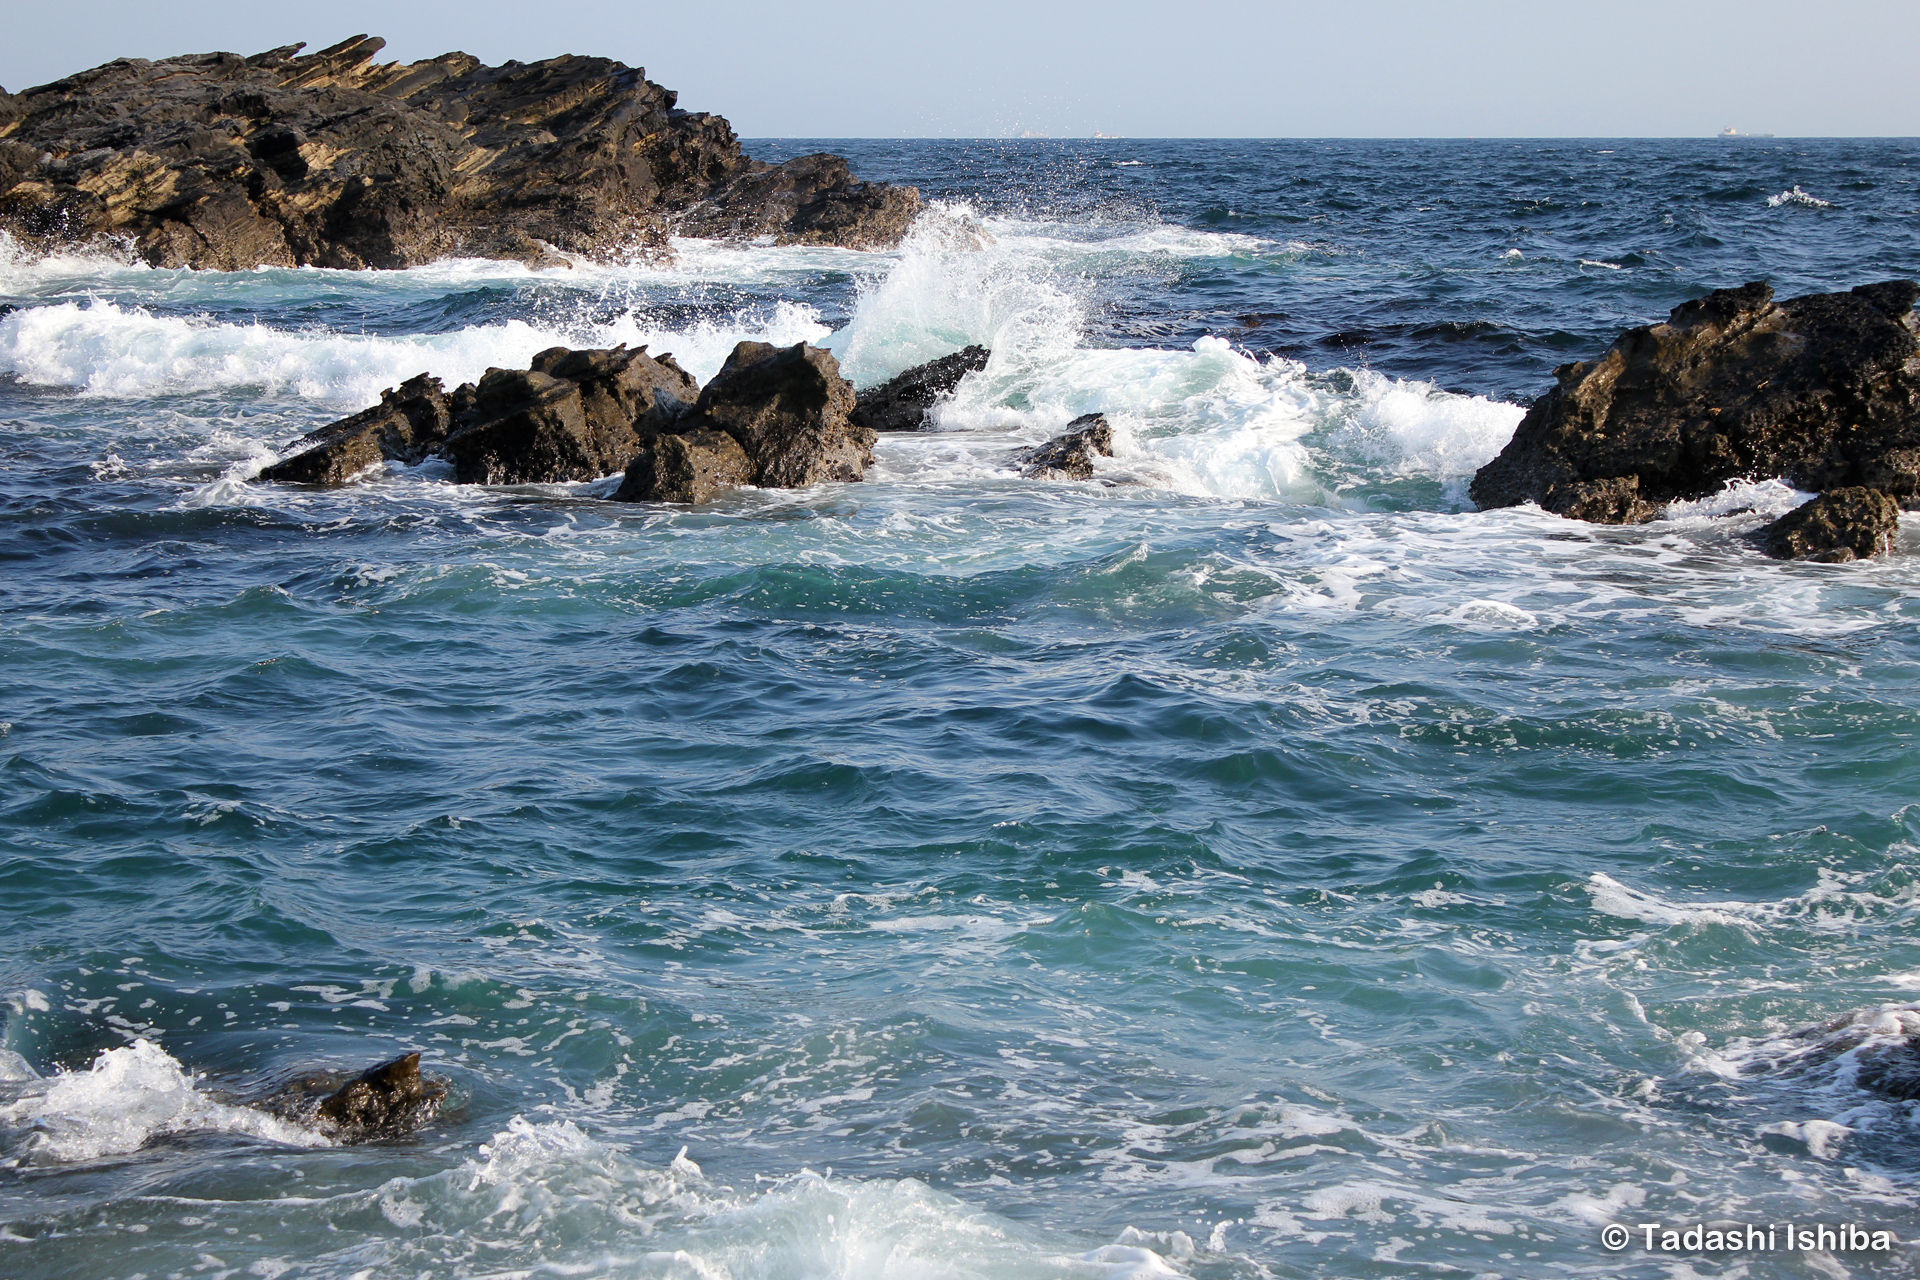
{"x":1840,"y":525}
{"x":789,"y":409}
{"x":686,"y":468}
{"x":408,"y":423}
{"x":808,"y":200}
{"x":575,"y":415}
{"x":1069,"y":456}
{"x":329,"y":159}
{"x":387,"y":1101}
{"x":1823,"y":391}
{"x":905,"y":401}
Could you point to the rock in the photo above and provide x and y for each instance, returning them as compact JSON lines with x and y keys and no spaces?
{"x":905,"y":401}
{"x":1823,"y":391}
{"x":387,"y":1101}
{"x":790,"y":411}
{"x":1840,"y":525}
{"x":405,"y":426}
{"x":808,"y":200}
{"x":575,"y":415}
{"x":686,"y":468}
{"x":333,"y":160}
{"x":1069,"y":456}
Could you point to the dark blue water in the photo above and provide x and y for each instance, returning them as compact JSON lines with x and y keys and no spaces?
{"x":1252,"y":863}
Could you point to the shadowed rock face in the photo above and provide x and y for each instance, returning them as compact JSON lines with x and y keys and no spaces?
{"x":575,"y":415}
{"x":1823,"y":391}
{"x":215,"y":160}
{"x":1840,"y":525}
{"x":905,"y":401}
{"x":387,"y":1101}
{"x":1070,"y":455}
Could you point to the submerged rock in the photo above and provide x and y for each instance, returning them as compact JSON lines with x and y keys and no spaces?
{"x":386,"y":1101}
{"x":575,"y":415}
{"x":1839,"y":525}
{"x":1823,"y":391}
{"x":1070,"y":456}
{"x":330,"y":159}
{"x":905,"y":401}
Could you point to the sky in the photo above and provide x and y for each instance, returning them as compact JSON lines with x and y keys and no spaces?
{"x":1234,"y":68}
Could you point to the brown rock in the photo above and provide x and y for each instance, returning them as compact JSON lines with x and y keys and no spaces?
{"x":789,"y":410}
{"x":331,"y":159}
{"x":686,"y":468}
{"x":1823,"y":391}
{"x":1853,"y":523}
{"x":905,"y":401}
{"x":1070,"y":455}
{"x":408,"y":423}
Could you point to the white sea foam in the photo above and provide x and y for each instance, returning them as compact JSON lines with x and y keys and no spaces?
{"x":107,"y":350}
{"x":129,"y":1097}
{"x":547,"y":1195}
{"x":1796,"y":196}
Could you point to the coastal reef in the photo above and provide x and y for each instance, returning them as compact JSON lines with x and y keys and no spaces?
{"x":1823,"y":391}
{"x":332,"y":160}
{"x":775,"y":417}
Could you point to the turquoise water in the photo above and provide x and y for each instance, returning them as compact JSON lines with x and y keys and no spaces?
{"x":1253,"y":863}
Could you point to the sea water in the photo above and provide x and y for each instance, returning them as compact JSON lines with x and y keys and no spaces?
{"x":1253,"y":862}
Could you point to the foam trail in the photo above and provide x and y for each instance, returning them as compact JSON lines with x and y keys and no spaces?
{"x":107,"y":350}
{"x":129,"y":1097}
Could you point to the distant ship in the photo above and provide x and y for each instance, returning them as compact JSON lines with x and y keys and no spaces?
{"x":1731,"y":132}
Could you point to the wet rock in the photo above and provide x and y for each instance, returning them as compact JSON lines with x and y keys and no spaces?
{"x":1823,"y":391}
{"x":808,"y":200}
{"x":575,"y":415}
{"x":1840,"y":525}
{"x":386,"y":1101}
{"x":334,"y":160}
{"x":905,"y":402}
{"x":408,"y":423}
{"x":1070,"y":455}
{"x":686,"y":468}
{"x":790,"y":411}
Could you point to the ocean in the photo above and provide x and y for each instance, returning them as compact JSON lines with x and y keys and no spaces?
{"x":1252,"y":863}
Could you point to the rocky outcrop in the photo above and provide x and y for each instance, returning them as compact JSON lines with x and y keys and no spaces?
{"x":905,"y":402}
{"x":774,"y":417}
{"x":1070,"y":455}
{"x":811,"y":199}
{"x":787,"y":409}
{"x":387,"y":1101}
{"x":574,"y":415}
{"x":333,"y":160}
{"x":1853,"y":523}
{"x":410,"y":422}
{"x":1823,"y":391}
{"x":695,"y":467}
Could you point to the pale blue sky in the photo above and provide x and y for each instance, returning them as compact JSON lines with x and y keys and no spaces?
{"x":981,"y":68}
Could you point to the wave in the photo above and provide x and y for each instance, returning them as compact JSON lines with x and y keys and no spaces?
{"x":1209,"y":420}
{"x":1796,"y":196}
{"x":105,"y":349}
{"x":126,"y":1099}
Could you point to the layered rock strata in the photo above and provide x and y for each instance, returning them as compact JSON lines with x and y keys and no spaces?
{"x":332,"y":160}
